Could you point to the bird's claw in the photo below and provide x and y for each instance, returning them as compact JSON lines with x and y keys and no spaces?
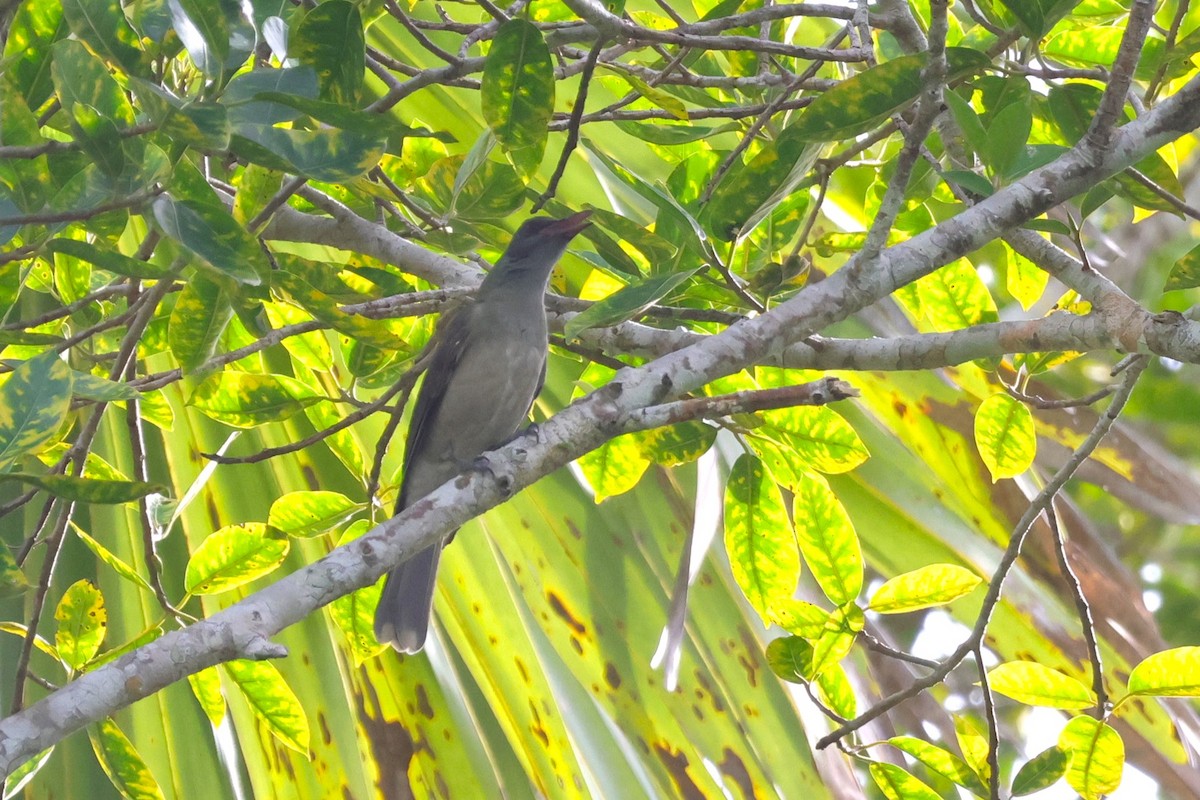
{"x":534,"y":431}
{"x":503,"y":480}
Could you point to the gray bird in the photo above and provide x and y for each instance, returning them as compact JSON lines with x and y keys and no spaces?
{"x":488,"y":365}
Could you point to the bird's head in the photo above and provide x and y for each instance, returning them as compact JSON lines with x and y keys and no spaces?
{"x":536,"y":247}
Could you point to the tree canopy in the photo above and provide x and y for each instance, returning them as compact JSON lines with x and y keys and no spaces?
{"x":865,"y":463}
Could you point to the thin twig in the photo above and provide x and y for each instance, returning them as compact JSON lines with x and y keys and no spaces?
{"x":1040,"y":503}
{"x":993,"y":725}
{"x":1086,"y":623}
{"x":585,"y":82}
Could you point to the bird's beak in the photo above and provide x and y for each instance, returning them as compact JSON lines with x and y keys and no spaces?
{"x":569,"y":226}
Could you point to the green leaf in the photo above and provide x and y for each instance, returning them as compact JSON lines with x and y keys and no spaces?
{"x":758,"y":537}
{"x":25,"y":179}
{"x":82,"y":622}
{"x":626,"y":303}
{"x":86,"y":386}
{"x":233,"y":556}
{"x":22,"y":775}
{"x":1185,"y":273}
{"x":1040,"y":772}
{"x":970,"y":181}
{"x":337,"y":115}
{"x":87,"y":490}
{"x":934,"y":585}
{"x":670,"y":212}
{"x":201,"y":313}
{"x":122,"y":762}
{"x":272,"y":701}
{"x":33,"y":29}
{"x":34,"y":402}
{"x":378,"y":333}
{"x":968,"y":120}
{"x":1097,"y":757}
{"x":750,"y":191}
{"x":827,"y":539}
{"x":206,"y":688}
{"x":1029,"y":13}
{"x":310,"y":513}
{"x":102,"y":25}
{"x":328,"y":154}
{"x":1170,"y":673}
{"x":108,"y":557}
{"x":666,"y":133}
{"x":202,"y":29}
{"x":243,"y":97}
{"x":790,"y":658}
{"x":210,"y":233}
{"x":1037,"y":685}
{"x":517,"y":93}
{"x":354,"y":613}
{"x":80,"y":77}
{"x":897,"y":784}
{"x":614,"y":467}
{"x":250,"y":399}
{"x":1007,"y":137}
{"x":860,"y":103}
{"x":331,"y":40}
{"x":1005,"y":436}
{"x":940,"y":761}
{"x":107,"y":259}
{"x":1073,"y":106}
{"x":12,"y":580}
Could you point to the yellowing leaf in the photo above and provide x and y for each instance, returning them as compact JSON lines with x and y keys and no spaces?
{"x":206,"y":686}
{"x":82,"y":623}
{"x":310,"y":513}
{"x":941,"y":761}
{"x":762,"y":549}
{"x":517,"y":93}
{"x":897,"y":784}
{"x":249,"y":399}
{"x":272,"y":701}
{"x":934,"y":585}
{"x":827,"y":539}
{"x":1097,"y":757}
{"x":1038,"y":685}
{"x":1005,"y":436}
{"x":33,"y":404}
{"x":122,"y":762}
{"x":1171,"y":673}
{"x":234,"y":555}
{"x":614,"y":467}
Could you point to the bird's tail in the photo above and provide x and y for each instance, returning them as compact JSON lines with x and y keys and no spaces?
{"x":402,"y":617}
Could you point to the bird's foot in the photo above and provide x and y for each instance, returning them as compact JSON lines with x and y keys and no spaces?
{"x":504,"y":479}
{"x":534,"y":431}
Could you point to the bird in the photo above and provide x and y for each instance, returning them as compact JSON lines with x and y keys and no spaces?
{"x":487,"y":366}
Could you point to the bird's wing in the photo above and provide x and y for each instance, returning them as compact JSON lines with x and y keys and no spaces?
{"x":450,"y":344}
